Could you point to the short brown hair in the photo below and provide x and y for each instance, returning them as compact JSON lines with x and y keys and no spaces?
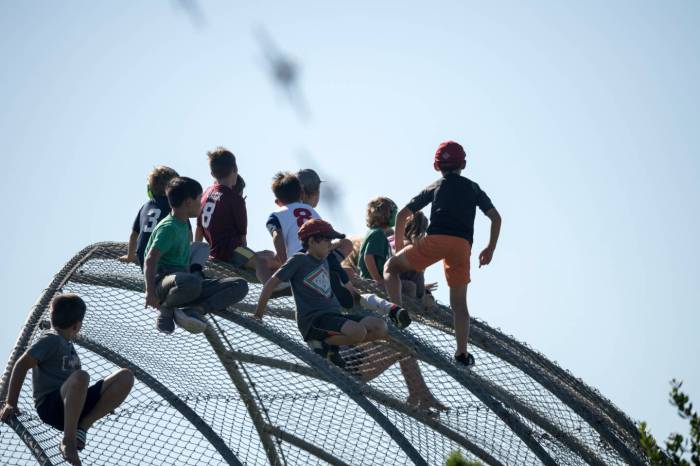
{"x":159,"y":178}
{"x":222,"y":162}
{"x":67,"y":309}
{"x":286,"y":187}
{"x":379,"y":211}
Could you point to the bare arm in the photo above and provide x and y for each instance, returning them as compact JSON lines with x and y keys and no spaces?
{"x":19,"y":373}
{"x":199,"y":233}
{"x":131,"y":248}
{"x":401,"y":219}
{"x":280,"y":247}
{"x":373,"y":270}
{"x":265,"y":294}
{"x":487,"y":254}
{"x":149,"y":273}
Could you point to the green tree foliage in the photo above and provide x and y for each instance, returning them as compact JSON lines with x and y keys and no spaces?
{"x":677,"y":448}
{"x":457,"y":459}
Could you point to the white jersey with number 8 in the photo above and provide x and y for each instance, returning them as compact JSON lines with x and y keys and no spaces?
{"x":288,"y":220}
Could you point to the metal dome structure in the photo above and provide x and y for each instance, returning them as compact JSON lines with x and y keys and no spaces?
{"x":251,"y":392}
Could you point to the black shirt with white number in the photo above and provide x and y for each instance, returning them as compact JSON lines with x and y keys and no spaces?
{"x":453,"y":200}
{"x":146,"y":220}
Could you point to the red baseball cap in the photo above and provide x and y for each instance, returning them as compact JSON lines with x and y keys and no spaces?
{"x":318,"y":227}
{"x":449,"y":154}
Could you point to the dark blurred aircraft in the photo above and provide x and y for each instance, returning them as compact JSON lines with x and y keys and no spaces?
{"x":193,"y":10}
{"x":283,"y":70}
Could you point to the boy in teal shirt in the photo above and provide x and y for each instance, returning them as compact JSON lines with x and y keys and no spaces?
{"x":173,"y":274}
{"x":375,"y":249}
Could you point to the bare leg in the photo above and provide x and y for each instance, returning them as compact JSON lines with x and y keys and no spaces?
{"x":379,"y":358}
{"x":458,"y":302}
{"x":73,"y":392}
{"x":115,"y":388}
{"x":394,"y":266}
{"x":418,"y":392}
{"x":376,"y":328}
{"x":352,"y":334}
{"x":265,"y":265}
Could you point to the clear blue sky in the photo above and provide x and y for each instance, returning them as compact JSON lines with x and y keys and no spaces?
{"x":580,"y":120}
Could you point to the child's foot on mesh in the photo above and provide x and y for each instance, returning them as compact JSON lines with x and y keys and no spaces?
{"x":165,"y":322}
{"x":190,"y":319}
{"x":427,"y":403}
{"x":81,"y":439}
{"x":465,"y":360}
{"x":399,"y":317}
{"x":69,"y":452}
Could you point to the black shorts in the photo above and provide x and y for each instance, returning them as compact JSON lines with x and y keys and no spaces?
{"x":51,"y":409}
{"x":241,"y":256}
{"x":328,"y":325}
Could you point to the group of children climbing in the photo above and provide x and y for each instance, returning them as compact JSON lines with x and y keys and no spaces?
{"x":309,"y":258}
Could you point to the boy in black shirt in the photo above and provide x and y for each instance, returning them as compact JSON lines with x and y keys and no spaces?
{"x":152,"y":212}
{"x":453,"y":200}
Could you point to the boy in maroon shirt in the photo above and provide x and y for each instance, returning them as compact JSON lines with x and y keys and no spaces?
{"x":223,"y":219}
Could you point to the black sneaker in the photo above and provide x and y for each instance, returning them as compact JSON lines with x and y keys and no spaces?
{"x":328,"y":352}
{"x":465,"y":360}
{"x":399,"y":317}
{"x":165,"y":324}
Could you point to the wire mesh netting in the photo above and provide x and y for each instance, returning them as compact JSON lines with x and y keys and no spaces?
{"x":251,"y":392}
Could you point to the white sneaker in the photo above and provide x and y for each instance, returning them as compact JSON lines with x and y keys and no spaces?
{"x":189,"y":320}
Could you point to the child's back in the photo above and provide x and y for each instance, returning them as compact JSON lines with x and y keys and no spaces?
{"x":223,"y":220}
{"x":288,"y":219}
{"x":151,"y":213}
{"x":454,"y":199}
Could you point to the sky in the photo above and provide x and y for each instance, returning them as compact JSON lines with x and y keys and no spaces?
{"x":580,"y":120}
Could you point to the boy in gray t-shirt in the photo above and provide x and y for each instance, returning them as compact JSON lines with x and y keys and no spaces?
{"x":62,"y":395}
{"x":318,"y":312}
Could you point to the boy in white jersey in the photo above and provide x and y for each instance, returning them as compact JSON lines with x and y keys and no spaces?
{"x":284,"y":223}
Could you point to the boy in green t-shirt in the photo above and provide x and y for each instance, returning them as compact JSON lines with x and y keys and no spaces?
{"x":173,"y":274}
{"x":375,"y":249}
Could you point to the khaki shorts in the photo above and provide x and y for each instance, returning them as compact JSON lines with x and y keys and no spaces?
{"x":453,"y":250}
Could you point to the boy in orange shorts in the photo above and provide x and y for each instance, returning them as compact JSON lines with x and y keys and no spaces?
{"x":453,"y":200}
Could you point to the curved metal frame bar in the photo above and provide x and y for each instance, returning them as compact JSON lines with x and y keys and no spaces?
{"x":188,"y":413}
{"x":344,"y":382}
{"x":378,"y":396}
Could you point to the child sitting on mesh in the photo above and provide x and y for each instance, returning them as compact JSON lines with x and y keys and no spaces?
{"x":175,"y":284}
{"x":62,"y":395}
{"x":152,"y":212}
{"x":223,"y":218}
{"x":319,"y":318}
{"x":375,"y":249}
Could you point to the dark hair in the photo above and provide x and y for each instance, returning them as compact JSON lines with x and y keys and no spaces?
{"x":159,"y":178}
{"x":221,"y":162}
{"x":286,"y":187}
{"x":416,"y":227}
{"x":181,"y":188}
{"x":305,"y":242}
{"x":240,"y":185}
{"x":67,"y":309}
{"x":444,"y":170}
